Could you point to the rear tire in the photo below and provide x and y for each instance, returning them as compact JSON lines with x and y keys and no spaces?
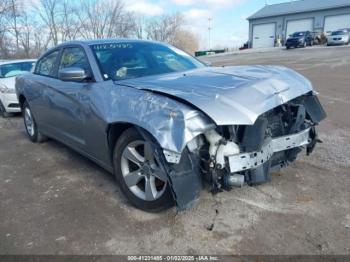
{"x":141,"y":179}
{"x":31,"y":126}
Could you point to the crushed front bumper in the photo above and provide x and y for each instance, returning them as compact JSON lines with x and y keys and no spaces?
{"x":252,"y":160}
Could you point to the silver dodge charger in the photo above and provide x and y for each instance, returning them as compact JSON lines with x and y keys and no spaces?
{"x":164,"y":123}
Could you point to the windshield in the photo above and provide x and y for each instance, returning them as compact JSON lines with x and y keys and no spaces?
{"x":297,"y":34}
{"x":15,"y":69}
{"x":338,"y":33}
{"x":126,"y":60}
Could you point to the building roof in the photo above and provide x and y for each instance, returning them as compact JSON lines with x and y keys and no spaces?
{"x":298,"y":7}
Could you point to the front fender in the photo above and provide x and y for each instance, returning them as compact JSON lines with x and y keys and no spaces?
{"x":172,"y":123}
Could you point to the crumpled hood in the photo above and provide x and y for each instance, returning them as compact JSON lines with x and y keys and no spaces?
{"x":229,"y":95}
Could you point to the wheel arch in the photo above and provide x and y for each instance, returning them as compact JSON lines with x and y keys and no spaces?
{"x":115,"y":130}
{"x":185,"y":172}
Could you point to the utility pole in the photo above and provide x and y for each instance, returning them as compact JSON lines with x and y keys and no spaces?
{"x":209,"y":31}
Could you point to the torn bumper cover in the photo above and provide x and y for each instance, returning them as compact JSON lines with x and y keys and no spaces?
{"x":251,"y":160}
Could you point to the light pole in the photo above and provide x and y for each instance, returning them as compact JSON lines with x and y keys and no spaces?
{"x":209,"y":31}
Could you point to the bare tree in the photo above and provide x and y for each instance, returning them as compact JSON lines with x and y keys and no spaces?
{"x":41,"y":40}
{"x":13,"y":14}
{"x":27,"y":32}
{"x":186,"y":41}
{"x":170,"y":29}
{"x":6,"y":28}
{"x":139,"y":27}
{"x":50,"y":14}
{"x":127,"y":27}
{"x":4,"y":9}
{"x":69,"y":22}
{"x":104,"y":19}
{"x":5,"y":6}
{"x":164,"y":29}
{"x":4,"y":45}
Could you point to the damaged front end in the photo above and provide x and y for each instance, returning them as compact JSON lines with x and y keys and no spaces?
{"x":230,"y":156}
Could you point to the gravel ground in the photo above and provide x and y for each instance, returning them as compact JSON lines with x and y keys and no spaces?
{"x":53,"y":201}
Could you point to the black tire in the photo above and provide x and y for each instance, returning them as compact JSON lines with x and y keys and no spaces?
{"x":3,"y":112}
{"x":165,"y":201}
{"x":34,"y":135}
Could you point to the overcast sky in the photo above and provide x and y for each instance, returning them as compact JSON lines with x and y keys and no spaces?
{"x":230,"y":27}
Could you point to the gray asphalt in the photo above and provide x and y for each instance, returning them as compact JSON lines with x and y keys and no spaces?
{"x":53,"y":201}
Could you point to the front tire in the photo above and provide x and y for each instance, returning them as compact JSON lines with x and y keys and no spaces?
{"x":30,"y":125}
{"x":3,"y":112}
{"x":142,"y":180}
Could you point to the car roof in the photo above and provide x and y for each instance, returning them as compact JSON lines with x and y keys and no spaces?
{"x":100,"y":41}
{"x":108,"y":41}
{"x":4,"y":62}
{"x":343,"y":29}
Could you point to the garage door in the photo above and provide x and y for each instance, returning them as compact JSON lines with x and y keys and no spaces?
{"x":299,"y":25}
{"x":336,"y":22}
{"x":264,"y":35}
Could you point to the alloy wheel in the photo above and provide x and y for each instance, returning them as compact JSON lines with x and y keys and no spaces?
{"x":29,"y":122}
{"x":141,"y":172}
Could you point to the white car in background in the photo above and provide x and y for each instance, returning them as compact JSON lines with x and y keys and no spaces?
{"x":8,"y":72}
{"x":339,"y":37}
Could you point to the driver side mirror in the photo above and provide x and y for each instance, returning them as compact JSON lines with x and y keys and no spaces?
{"x":73,"y":74}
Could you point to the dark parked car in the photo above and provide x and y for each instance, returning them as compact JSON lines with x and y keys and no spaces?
{"x":163,"y":122}
{"x":300,"y":39}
